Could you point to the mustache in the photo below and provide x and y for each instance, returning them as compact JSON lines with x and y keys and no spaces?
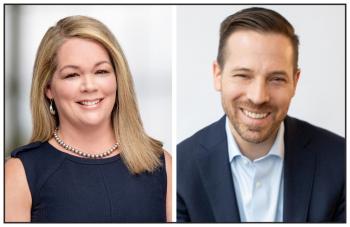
{"x":264,"y":107}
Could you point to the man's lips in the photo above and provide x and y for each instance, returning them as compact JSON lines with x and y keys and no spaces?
{"x":255,"y":114}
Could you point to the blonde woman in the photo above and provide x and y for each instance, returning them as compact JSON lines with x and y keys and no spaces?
{"x":89,"y":159}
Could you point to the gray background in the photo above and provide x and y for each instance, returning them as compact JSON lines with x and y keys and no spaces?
{"x":320,"y":94}
{"x":144,"y":34}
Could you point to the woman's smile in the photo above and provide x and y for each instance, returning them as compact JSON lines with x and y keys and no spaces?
{"x":90,"y":103}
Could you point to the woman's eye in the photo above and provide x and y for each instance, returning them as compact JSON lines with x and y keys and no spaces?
{"x":71,"y":75}
{"x":102,"y":71}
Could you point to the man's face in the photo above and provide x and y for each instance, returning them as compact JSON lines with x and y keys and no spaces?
{"x":257,"y":83}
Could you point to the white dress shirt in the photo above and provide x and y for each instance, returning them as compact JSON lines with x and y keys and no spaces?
{"x":258,"y":184}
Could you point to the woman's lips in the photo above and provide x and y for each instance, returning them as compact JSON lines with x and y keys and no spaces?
{"x":91,"y":102}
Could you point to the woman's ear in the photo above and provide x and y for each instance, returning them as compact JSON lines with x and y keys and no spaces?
{"x":48,"y":92}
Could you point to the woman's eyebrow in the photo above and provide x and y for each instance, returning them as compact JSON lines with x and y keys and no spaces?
{"x":77,"y":67}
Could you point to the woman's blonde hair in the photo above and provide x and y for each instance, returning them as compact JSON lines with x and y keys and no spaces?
{"x":139,"y":151}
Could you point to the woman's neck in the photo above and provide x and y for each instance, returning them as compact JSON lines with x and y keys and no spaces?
{"x":93,"y":140}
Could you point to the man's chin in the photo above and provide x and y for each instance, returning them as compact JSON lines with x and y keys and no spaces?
{"x":254,"y":135}
{"x":254,"y":139}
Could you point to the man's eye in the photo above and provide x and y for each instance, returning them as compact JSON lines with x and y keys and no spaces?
{"x":243,"y":76}
{"x":71,"y":75}
{"x":279,"y":79}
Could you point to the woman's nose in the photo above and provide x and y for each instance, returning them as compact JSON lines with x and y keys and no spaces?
{"x":88,"y":83}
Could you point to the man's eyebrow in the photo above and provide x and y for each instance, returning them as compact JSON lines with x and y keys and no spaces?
{"x":238,"y":69}
{"x":275,"y":72}
{"x":278,"y":72}
{"x":77,"y":67}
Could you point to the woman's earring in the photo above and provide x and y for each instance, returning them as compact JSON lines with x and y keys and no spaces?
{"x":52,"y":111}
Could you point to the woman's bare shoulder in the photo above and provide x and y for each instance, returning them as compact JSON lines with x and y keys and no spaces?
{"x":14,"y":167}
{"x":17,"y":194}
{"x":15,"y":176}
{"x":168,"y":158}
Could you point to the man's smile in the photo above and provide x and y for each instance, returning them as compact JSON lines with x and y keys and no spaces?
{"x":255,"y":115}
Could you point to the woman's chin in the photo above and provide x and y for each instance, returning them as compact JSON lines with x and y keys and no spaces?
{"x":93,"y":122}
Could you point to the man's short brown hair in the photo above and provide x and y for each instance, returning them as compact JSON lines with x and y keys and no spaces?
{"x":260,"y":20}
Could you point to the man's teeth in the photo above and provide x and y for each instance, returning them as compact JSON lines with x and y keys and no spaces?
{"x":255,"y":115}
{"x":90,"y":103}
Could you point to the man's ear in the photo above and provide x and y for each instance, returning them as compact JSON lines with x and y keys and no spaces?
{"x":296,"y":79}
{"x":217,"y":73}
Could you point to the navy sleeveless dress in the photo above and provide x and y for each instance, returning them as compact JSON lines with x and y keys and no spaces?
{"x":66,"y":188}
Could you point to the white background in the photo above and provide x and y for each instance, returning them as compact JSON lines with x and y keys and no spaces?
{"x":187,"y":113}
{"x":142,"y":31}
{"x":320,"y":95}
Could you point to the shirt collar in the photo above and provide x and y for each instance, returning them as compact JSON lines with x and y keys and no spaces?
{"x":277,"y":148}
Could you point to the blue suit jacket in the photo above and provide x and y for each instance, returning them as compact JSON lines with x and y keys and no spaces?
{"x":314,"y":176}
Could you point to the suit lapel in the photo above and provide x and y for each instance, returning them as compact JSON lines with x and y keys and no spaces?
{"x":215,"y":172}
{"x":299,"y":168}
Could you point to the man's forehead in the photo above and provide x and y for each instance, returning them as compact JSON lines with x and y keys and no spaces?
{"x":245,"y":48}
{"x":253,"y":39}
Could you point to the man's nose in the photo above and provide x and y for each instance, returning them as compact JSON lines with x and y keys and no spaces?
{"x":258,"y":92}
{"x":88,"y":83}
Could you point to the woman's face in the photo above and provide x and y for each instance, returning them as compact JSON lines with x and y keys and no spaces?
{"x":83,"y":86}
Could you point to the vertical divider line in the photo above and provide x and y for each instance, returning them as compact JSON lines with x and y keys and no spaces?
{"x":173,"y":106}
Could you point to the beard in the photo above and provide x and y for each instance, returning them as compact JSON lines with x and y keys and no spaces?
{"x":250,"y":132}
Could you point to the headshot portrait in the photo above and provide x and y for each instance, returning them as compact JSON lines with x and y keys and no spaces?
{"x":88,"y":113}
{"x":261,"y":113}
